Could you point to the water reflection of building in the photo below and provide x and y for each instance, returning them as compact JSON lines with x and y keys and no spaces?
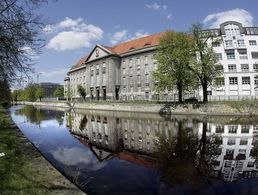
{"x":112,"y":133}
{"x":235,"y":156}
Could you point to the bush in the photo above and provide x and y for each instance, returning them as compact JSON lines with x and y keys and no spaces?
{"x":5,"y":104}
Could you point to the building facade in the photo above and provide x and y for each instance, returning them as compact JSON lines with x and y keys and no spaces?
{"x":237,"y":50}
{"x":125,"y":71}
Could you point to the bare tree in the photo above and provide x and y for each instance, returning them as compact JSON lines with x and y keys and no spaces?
{"x":19,"y":36}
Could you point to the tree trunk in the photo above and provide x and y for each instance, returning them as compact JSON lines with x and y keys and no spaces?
{"x":180,"y":92}
{"x":205,"y":91}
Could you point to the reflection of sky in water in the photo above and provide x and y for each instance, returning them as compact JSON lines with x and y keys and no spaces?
{"x":113,"y":176}
{"x":75,"y":156}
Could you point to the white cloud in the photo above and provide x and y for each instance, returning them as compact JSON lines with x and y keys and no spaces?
{"x":75,"y":156}
{"x":68,"y":22}
{"x":125,"y":35}
{"x":73,"y":34}
{"x":119,"y":36}
{"x":161,"y":8}
{"x":238,"y":15}
{"x":140,"y":34}
{"x":53,"y":73}
{"x":48,"y":29}
{"x":153,"y":6}
{"x":30,"y":52}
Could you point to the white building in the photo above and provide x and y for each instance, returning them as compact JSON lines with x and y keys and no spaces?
{"x":237,"y":50}
{"x":125,"y":71}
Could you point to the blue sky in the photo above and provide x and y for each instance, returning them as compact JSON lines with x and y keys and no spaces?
{"x":75,"y":26}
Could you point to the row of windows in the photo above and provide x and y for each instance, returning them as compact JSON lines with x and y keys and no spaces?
{"x":234,"y":80}
{"x":242,"y":55}
{"x":244,"y":67}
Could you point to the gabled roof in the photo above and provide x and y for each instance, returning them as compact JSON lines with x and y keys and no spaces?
{"x":151,"y":40}
{"x":80,"y":63}
{"x":147,"y":41}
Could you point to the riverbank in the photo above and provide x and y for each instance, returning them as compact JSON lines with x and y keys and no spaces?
{"x":22,"y":168}
{"x":245,"y":107}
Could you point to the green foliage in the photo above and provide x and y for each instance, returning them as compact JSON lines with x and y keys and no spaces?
{"x":59,"y":92}
{"x":39,"y":93}
{"x":205,"y":64}
{"x":81,"y":91}
{"x":17,"y":173}
{"x":30,"y":92}
{"x":174,"y":55}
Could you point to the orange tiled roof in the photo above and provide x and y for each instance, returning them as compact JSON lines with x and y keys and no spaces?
{"x":151,"y":40}
{"x":80,"y":63}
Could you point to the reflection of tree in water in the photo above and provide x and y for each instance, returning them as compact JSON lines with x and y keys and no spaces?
{"x":185,"y":158}
{"x":83,"y":123}
{"x":36,"y":115}
{"x":33,"y":115}
{"x":59,"y":118}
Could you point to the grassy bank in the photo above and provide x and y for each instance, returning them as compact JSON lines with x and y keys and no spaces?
{"x":17,"y":175}
{"x":22,"y":169}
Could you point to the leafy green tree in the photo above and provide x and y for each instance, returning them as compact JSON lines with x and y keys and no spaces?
{"x":40,"y":93}
{"x":205,"y":64}
{"x":59,"y":92}
{"x":81,"y":91}
{"x":30,"y":92}
{"x":173,"y":56}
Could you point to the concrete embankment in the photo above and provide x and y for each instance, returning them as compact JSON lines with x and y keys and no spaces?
{"x":218,"y":108}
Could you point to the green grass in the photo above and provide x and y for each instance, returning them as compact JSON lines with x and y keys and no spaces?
{"x":239,"y":105}
{"x":16,"y":173}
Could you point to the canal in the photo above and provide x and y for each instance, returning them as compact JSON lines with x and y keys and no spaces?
{"x":119,"y":153}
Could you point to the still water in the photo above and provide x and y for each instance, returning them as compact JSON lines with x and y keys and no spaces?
{"x":131,"y":153}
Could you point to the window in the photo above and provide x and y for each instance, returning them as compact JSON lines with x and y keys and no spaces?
{"x":138,"y":61}
{"x":97,"y":70}
{"x":252,"y":42}
{"x":243,"y":141}
{"x":233,"y":81}
{"x":250,"y":164}
{"x":219,"y":56}
{"x":232,"y":128}
{"x":219,"y":128}
{"x":215,"y":44}
{"x":245,"y":129}
{"x":241,"y":43}
{"x":146,"y":60}
{"x":256,"y":81}
{"x":255,"y":55}
{"x":231,"y":141}
{"x":245,"y":67}
{"x":242,"y":54}
{"x":229,"y":152}
{"x":104,"y":68}
{"x":231,"y":56}
{"x":229,"y":43}
{"x":91,"y":71}
{"x":246,"y":80}
{"x":130,"y":63}
{"x":232,"y":68}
